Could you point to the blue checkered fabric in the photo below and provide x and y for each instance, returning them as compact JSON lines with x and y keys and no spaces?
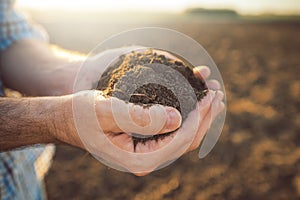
{"x":21,"y":170}
{"x":15,"y":26}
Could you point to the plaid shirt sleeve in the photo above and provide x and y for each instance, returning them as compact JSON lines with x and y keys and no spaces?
{"x":21,"y":170}
{"x":15,"y":26}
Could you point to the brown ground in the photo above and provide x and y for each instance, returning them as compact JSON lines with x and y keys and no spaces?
{"x":258,"y":154}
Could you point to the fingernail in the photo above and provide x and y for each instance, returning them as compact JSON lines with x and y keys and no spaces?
{"x":173,"y":120}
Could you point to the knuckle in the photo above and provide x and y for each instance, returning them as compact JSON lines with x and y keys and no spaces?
{"x":140,"y":115}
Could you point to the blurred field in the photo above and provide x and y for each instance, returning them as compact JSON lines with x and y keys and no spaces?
{"x":258,"y":154}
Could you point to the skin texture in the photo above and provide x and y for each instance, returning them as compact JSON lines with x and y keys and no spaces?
{"x":39,"y":72}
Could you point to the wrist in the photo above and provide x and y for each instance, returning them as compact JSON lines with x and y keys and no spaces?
{"x":41,"y":111}
{"x":62,"y":126}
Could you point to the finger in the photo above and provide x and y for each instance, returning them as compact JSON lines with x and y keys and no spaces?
{"x":163,"y":119}
{"x":202,"y":72}
{"x":156,"y":119}
{"x":201,"y":132}
{"x":121,"y":140}
{"x":206,"y":101}
{"x":213,"y":84}
{"x":216,"y":107}
{"x":205,"y":107}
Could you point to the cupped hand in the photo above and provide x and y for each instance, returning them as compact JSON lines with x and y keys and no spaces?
{"x":103,"y":126}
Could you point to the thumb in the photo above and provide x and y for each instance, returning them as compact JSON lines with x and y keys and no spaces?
{"x":156,"y":119}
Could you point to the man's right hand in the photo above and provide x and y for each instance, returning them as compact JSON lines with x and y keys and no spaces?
{"x":101,"y":126}
{"x":113,"y":116}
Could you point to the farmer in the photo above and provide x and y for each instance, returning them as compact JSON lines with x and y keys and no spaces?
{"x":29,"y":126}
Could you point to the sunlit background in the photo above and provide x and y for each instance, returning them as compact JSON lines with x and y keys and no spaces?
{"x":281,"y":7}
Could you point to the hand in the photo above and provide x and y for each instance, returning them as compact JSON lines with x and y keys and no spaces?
{"x":97,"y":130}
{"x":209,"y":110}
{"x":210,"y":106}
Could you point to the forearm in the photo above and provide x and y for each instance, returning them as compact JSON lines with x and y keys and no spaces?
{"x":37,"y":69}
{"x":27,"y":121}
{"x":33,"y":68}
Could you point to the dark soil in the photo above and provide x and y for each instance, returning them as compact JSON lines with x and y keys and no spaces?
{"x":147,"y":78}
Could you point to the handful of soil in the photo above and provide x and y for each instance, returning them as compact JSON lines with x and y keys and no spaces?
{"x":147,"y":78}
